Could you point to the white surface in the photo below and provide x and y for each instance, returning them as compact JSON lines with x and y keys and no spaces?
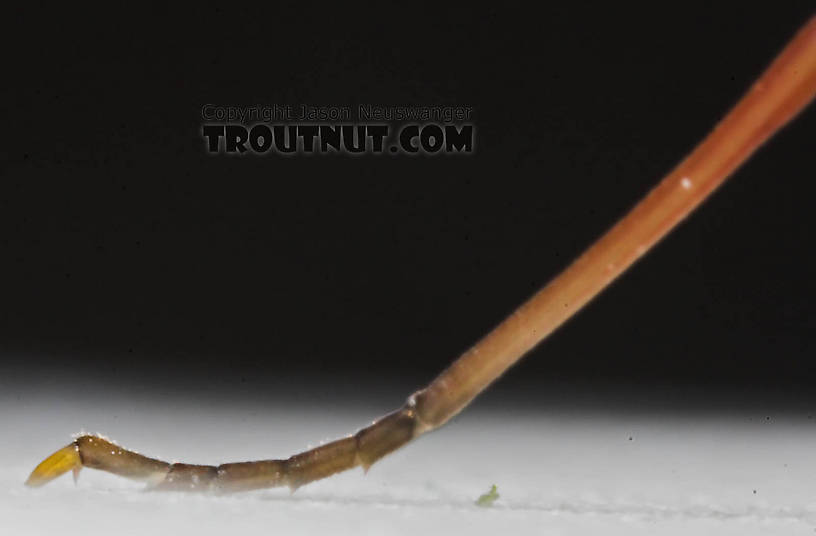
{"x":557,"y":472}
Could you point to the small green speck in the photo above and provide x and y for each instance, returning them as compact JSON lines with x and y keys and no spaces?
{"x":488,"y":498}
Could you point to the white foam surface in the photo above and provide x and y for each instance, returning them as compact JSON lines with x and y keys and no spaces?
{"x":557,"y":472}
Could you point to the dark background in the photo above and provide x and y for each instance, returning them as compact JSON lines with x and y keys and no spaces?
{"x":130,"y":254}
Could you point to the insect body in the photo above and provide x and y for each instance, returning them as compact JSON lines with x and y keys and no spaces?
{"x":786,"y":87}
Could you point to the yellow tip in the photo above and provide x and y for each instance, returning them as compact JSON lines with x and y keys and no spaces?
{"x":62,"y":461}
